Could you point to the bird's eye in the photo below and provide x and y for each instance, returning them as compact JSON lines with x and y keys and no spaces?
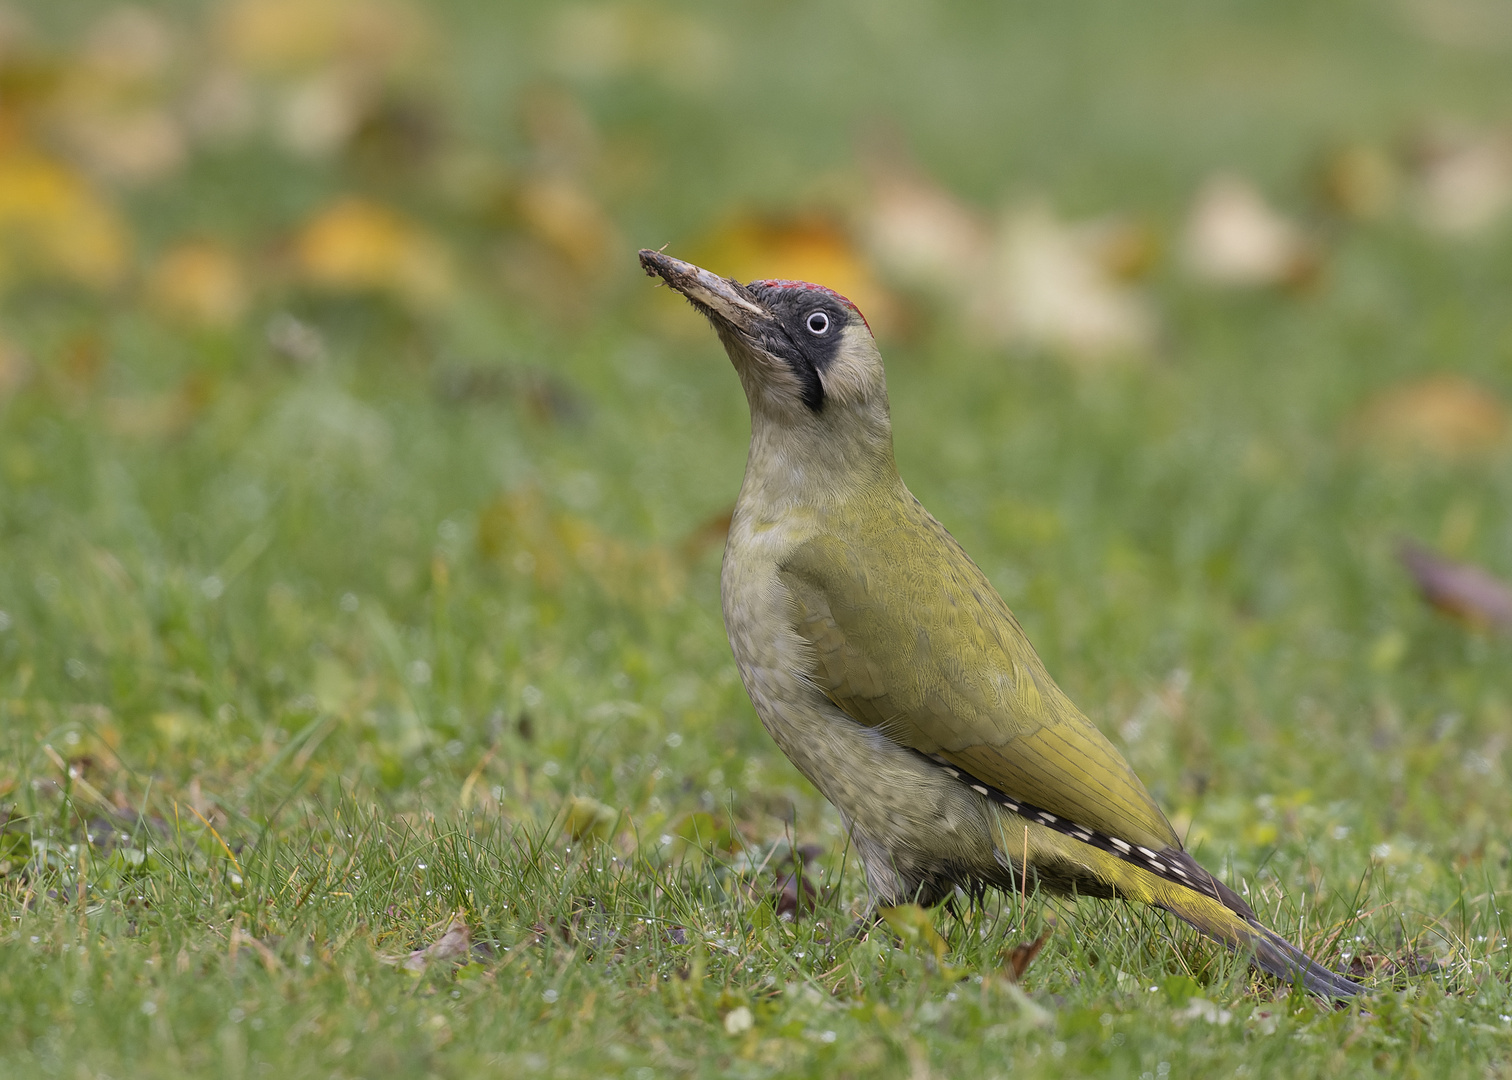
{"x":818,"y":322}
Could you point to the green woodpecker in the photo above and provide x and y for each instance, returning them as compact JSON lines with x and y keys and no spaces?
{"x":891,"y":673}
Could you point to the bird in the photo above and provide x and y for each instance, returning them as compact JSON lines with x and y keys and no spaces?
{"x":891,"y":673}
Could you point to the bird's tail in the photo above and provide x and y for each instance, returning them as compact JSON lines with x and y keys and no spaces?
{"x":1225,"y":916}
{"x":1171,"y":879}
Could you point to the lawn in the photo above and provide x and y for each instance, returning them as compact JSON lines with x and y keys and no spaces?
{"x":365,"y":705}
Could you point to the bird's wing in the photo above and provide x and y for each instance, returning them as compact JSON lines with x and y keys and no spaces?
{"x":920,"y":646}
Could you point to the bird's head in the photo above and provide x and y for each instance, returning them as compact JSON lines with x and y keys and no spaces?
{"x":804,"y":353}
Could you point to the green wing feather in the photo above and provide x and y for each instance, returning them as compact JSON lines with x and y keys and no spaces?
{"x":971,"y":690}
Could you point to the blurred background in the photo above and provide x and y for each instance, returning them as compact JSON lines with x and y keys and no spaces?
{"x":341,"y":440}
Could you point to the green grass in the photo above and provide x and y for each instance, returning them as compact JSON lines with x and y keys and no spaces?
{"x":286,"y":684}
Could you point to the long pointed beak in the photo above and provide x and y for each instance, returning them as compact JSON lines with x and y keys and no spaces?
{"x":715,"y":296}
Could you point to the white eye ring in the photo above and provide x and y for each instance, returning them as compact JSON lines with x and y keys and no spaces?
{"x":817,"y":322}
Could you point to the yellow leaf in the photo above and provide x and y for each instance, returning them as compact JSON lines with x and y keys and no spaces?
{"x":564,"y":216}
{"x":358,"y":245}
{"x":805,"y":247}
{"x":53,"y":224}
{"x":200,"y":283}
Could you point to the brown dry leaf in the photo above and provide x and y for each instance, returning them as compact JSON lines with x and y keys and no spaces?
{"x":359,"y":245}
{"x":794,"y":893}
{"x":1445,"y":416}
{"x":53,"y":224}
{"x":1050,"y":286}
{"x":201,"y":283}
{"x":1019,"y":957}
{"x":453,"y":947}
{"x":795,"y":896}
{"x":1365,"y":965}
{"x":800,"y":247}
{"x":1462,"y":181}
{"x":1234,"y":237}
{"x":1460,"y":590}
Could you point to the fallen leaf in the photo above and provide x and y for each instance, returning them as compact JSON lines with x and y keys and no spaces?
{"x":608,"y":39}
{"x":795,"y":896}
{"x":916,"y":930}
{"x":53,"y":224}
{"x":15,"y":368}
{"x":1022,"y":955}
{"x":698,"y":830}
{"x":200,"y":283}
{"x":919,"y":233}
{"x":1461,"y":590}
{"x":1408,"y":963}
{"x":161,"y":415}
{"x":296,"y":340}
{"x":524,"y":534}
{"x":739,"y":1020}
{"x":1480,"y":26}
{"x":398,"y":134}
{"x":1202,"y":1009}
{"x":1233,"y":237}
{"x":1462,"y":181}
{"x":709,"y":534}
{"x":359,"y":245}
{"x":797,"y":247}
{"x":794,"y":892}
{"x":589,"y":819}
{"x":293,"y":36}
{"x":221,"y":108}
{"x":1445,"y":416}
{"x":129,"y":44}
{"x":1360,"y":181}
{"x":318,"y":115}
{"x":453,"y":947}
{"x":111,"y":105}
{"x":558,"y":211}
{"x":1049,"y":285}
